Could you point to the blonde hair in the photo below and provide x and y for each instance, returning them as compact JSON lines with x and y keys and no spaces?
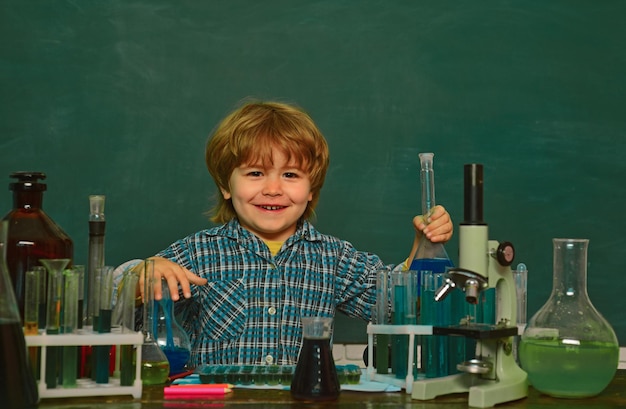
{"x":249,"y":134}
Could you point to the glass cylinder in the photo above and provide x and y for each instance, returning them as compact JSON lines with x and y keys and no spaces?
{"x":315,"y":377}
{"x":568,"y":349}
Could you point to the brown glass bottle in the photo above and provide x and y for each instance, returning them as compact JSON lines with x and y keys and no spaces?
{"x":32,"y":235}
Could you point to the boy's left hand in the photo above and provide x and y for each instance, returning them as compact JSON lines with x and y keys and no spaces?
{"x":438,"y":227}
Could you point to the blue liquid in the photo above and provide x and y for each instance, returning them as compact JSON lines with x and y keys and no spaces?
{"x":434,"y":349}
{"x":436,"y":265}
{"x":177,"y":357}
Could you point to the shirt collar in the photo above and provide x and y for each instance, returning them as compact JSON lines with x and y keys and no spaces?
{"x":304,"y":231}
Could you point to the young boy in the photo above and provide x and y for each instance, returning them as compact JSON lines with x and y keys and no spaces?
{"x":265,"y":266}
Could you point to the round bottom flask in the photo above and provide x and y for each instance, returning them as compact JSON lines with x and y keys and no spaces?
{"x":568,"y":349}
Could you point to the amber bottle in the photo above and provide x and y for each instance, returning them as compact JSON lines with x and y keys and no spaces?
{"x":32,"y":234}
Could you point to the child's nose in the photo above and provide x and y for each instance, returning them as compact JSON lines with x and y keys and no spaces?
{"x":272,"y":187}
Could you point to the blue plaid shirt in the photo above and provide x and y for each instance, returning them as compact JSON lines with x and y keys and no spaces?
{"x":249,"y":312}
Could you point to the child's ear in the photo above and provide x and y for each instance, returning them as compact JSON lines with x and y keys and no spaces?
{"x":225,"y":193}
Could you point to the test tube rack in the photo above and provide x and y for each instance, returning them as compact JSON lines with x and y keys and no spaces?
{"x":411,"y":331}
{"x":88,"y":338}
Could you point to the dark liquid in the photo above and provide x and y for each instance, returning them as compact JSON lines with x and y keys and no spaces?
{"x":316,"y":376}
{"x":17,"y":383}
{"x":177,"y":358}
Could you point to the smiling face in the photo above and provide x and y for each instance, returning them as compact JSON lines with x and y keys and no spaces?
{"x":270,"y":197}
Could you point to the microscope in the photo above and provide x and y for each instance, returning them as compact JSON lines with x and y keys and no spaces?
{"x":493,"y":376}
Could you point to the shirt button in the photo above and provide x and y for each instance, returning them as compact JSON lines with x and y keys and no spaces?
{"x":269,"y":359}
{"x":271,"y":310}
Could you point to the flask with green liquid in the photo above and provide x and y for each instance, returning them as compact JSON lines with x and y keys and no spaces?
{"x":568,"y":349}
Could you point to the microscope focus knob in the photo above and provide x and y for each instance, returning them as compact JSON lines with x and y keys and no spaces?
{"x":505,"y":253}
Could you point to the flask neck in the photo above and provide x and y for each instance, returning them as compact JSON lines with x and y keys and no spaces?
{"x":30,"y":200}
{"x":570,"y":268}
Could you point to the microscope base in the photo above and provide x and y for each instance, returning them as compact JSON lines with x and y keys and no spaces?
{"x":483,"y":393}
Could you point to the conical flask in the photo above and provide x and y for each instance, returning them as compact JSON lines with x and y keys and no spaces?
{"x":315,"y":377}
{"x":171,"y":337}
{"x":429,"y":256}
{"x":568,"y":349}
{"x":154,"y":364}
{"x":17,"y":383}
{"x":32,"y":235}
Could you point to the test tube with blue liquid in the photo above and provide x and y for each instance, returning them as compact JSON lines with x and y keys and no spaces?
{"x":404,"y":312}
{"x":104,"y":276}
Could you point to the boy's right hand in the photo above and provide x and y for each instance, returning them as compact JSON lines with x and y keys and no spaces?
{"x":173,"y":273}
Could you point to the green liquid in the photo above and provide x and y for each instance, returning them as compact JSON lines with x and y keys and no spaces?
{"x":569,"y":371}
{"x":154,"y":373}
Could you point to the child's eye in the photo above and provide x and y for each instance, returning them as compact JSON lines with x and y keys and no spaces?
{"x":255,"y":173}
{"x":291,"y":175}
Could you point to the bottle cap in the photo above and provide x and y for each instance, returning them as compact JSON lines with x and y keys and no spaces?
{"x":28,"y":181}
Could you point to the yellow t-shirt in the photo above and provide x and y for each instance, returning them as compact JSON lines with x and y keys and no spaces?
{"x":274,"y":246}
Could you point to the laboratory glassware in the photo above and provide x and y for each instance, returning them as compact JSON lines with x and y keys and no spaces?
{"x":97,"y":226}
{"x":54,"y":308}
{"x":429,"y":256}
{"x":124,"y":318}
{"x":69,"y":325}
{"x":154,"y":364}
{"x":381,"y":316}
{"x":32,"y":235}
{"x":403,"y":312}
{"x":17,"y":383}
{"x":104,"y":283}
{"x":315,"y":377}
{"x":568,"y":348}
{"x":171,"y":336}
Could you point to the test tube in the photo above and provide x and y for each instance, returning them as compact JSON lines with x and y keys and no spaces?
{"x":79,"y":270}
{"x":381,"y":318}
{"x":31,"y":301}
{"x":104,"y":277}
{"x":43,"y":286}
{"x":520,"y":276}
{"x":53,"y":324}
{"x":404,"y":312}
{"x":31,"y":312}
{"x":126,"y":301}
{"x":70,"y":325}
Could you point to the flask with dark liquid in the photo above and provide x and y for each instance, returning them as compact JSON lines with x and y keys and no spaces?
{"x":32,"y":235}
{"x":315,"y":377}
{"x":170,"y":335}
{"x":17,"y":383}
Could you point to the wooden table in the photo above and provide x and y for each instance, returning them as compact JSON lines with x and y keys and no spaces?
{"x":613,"y":396}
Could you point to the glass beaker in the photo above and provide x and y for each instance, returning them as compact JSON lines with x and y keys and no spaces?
{"x":17,"y":383}
{"x":171,"y":337}
{"x":315,"y":377}
{"x":154,"y":364}
{"x":568,"y":349}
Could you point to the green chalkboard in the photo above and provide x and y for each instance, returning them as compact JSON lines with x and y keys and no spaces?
{"x":118,"y":98}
